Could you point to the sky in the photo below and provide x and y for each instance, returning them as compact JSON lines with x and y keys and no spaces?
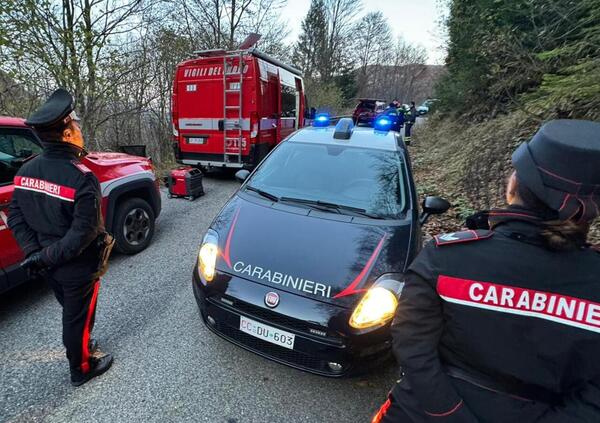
{"x":415,"y":20}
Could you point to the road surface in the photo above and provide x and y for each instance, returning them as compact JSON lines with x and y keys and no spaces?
{"x":168,"y":366}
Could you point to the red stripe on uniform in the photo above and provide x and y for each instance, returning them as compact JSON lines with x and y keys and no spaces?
{"x":45,"y":187}
{"x":554,"y":307}
{"x":447,"y":413}
{"x":382,"y":412}
{"x":85,"y":350}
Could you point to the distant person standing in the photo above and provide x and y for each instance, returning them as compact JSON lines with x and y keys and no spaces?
{"x":410,"y":118}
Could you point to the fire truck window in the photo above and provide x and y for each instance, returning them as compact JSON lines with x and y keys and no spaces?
{"x":288,"y":101}
{"x":15,"y":147}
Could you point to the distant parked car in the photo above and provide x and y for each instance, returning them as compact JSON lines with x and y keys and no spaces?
{"x":423,"y":109}
{"x":366,"y":111}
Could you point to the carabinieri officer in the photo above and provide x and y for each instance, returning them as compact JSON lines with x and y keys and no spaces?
{"x":503,"y":325}
{"x":55,"y":217}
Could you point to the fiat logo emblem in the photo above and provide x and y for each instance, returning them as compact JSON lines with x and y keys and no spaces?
{"x":272,"y":299}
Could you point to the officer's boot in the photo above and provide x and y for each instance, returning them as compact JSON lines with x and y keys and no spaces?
{"x":93,"y":346}
{"x":97,"y":367}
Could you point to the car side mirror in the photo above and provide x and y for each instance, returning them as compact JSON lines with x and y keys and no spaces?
{"x":433,"y":205}
{"x":242,"y":175}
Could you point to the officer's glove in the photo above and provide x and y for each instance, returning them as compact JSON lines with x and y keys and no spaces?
{"x":479,"y":220}
{"x":34,"y":264}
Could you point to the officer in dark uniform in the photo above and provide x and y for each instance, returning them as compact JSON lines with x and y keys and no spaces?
{"x":503,"y":325}
{"x":56,"y":219}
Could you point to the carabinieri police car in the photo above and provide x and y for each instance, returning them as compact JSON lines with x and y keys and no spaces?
{"x":304,"y":265}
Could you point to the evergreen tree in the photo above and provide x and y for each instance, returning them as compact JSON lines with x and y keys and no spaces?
{"x":312,"y":42}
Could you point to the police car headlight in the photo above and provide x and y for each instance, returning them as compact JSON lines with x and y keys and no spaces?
{"x":376,"y":308}
{"x":207,"y":257}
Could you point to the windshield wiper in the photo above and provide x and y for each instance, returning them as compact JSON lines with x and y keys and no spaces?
{"x":331,"y":206}
{"x":265,"y":194}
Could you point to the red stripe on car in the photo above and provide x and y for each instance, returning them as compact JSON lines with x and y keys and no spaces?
{"x":226,"y":253}
{"x":351,"y":289}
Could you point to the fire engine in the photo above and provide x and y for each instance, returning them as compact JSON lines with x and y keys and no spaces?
{"x":130,"y":196}
{"x":230,"y":108}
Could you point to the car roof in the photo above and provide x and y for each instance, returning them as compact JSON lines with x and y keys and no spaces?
{"x":12,"y":121}
{"x":363,"y":137}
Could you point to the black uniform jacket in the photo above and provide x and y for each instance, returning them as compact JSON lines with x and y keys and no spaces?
{"x":56,"y":209}
{"x":499,"y":309}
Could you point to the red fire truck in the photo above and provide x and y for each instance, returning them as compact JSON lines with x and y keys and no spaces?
{"x":230,"y":108}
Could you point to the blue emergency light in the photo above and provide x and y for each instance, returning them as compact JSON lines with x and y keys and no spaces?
{"x":321,"y":120}
{"x":383,"y":124}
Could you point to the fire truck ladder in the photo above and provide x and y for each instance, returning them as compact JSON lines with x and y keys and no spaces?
{"x":233,"y":77}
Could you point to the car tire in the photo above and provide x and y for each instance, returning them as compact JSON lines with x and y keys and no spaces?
{"x":134,"y":226}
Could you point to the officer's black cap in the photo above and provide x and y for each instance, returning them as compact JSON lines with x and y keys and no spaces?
{"x":561,"y":166}
{"x":55,"y":112}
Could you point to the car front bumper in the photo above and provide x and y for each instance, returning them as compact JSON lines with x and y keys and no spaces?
{"x":318,"y":327}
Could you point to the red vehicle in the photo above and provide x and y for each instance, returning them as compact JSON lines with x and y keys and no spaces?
{"x":230,"y":108}
{"x":130,"y":195}
{"x":366,"y":110}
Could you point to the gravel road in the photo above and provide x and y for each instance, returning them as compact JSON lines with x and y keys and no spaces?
{"x":168,"y":366}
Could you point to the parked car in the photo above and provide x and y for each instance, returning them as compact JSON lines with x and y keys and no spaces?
{"x":304,"y":265}
{"x":366,"y":111}
{"x":424,"y":108}
{"x":130,"y":196}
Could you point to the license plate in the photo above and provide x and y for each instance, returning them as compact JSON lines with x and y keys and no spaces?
{"x":200,"y":140}
{"x":267,"y":333}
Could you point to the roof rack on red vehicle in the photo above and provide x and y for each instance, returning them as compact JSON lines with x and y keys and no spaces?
{"x":251,"y":51}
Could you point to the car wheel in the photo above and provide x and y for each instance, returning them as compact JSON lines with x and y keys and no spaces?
{"x":134,"y":226}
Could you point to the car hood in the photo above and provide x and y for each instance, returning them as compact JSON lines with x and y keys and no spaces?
{"x":113,"y":159}
{"x":307,"y":252}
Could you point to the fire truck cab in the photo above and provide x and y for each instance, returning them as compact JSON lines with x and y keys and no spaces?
{"x":230,"y":108}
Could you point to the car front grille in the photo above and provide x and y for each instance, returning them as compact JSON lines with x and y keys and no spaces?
{"x":271,"y":316}
{"x":276,"y":352}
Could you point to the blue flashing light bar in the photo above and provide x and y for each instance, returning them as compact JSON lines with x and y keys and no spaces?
{"x":321,"y":120}
{"x":382,"y":124}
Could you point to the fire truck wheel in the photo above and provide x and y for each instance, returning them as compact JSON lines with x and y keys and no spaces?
{"x":134,"y":226}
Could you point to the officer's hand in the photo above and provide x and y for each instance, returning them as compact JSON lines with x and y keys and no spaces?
{"x":34,"y":263}
{"x":479,"y":220}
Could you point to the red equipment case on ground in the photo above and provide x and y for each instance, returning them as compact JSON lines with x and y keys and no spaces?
{"x":185,"y":181}
{"x":230,"y":108}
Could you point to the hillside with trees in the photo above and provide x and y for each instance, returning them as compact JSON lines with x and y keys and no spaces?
{"x":511,"y":66}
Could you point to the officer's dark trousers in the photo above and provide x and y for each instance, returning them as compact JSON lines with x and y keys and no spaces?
{"x":407,"y":129}
{"x":487,"y":406}
{"x":78,"y":301}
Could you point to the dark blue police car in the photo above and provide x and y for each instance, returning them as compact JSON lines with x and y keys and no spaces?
{"x":304,"y":265}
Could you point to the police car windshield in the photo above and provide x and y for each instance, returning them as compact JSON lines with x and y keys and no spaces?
{"x":352,"y":177}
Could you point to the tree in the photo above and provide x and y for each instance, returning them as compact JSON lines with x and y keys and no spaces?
{"x":69,"y":44}
{"x":224,"y":24}
{"x":372,"y":47}
{"x":337,"y":54}
{"x":312,"y":41}
{"x":536,"y":55}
